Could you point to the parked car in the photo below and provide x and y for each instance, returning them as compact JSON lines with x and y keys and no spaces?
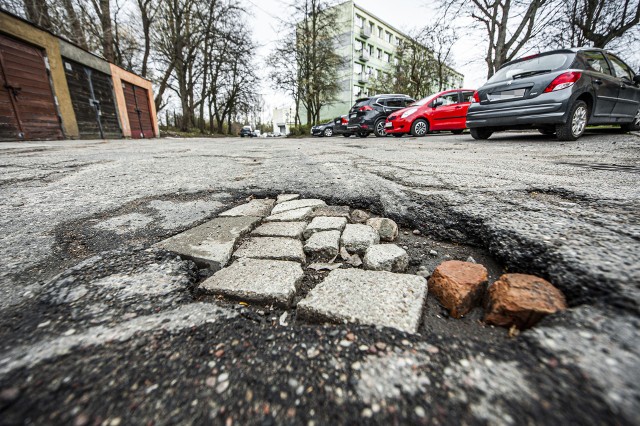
{"x":325,"y":129}
{"x":368,"y":115}
{"x":443,"y":111}
{"x":558,"y":92}
{"x":246,"y":131}
{"x":340,"y":126}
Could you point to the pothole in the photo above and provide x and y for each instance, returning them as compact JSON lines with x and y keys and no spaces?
{"x":305,"y":260}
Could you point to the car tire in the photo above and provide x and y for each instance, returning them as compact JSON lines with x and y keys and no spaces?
{"x":576,"y":123}
{"x":328,"y":132}
{"x":420,"y":128}
{"x":363,"y":134}
{"x":547,"y":131}
{"x":634,"y":126}
{"x":347,"y":135}
{"x":457,"y":132}
{"x":378,"y":129}
{"x":481,"y":133}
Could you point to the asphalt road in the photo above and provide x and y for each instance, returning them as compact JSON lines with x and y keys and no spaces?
{"x":79,"y":218}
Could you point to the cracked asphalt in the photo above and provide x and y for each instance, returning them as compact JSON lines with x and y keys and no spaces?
{"x":99,"y":327}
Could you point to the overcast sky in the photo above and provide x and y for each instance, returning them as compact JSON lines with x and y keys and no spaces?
{"x":402,"y":14}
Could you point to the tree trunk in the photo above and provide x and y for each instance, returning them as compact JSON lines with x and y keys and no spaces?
{"x":107,"y":30}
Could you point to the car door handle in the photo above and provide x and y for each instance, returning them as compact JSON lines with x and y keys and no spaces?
{"x":597,"y":81}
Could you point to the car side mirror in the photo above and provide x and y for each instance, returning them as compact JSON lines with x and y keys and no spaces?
{"x":436,"y":104}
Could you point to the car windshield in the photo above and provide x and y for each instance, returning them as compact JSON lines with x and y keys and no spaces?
{"x":246,"y":128}
{"x":422,"y":101}
{"x":360,"y":104}
{"x":531,"y":66}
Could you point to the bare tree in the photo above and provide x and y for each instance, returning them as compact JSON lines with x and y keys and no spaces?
{"x":309,"y":44}
{"x":37,"y":11}
{"x":509,"y":25}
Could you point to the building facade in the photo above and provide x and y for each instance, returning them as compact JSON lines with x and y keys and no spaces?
{"x":369,"y":46}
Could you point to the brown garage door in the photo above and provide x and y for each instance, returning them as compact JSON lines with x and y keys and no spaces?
{"x":138,"y":111}
{"x":27,"y":108}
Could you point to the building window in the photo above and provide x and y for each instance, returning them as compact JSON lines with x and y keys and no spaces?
{"x":369,"y":71}
{"x":389,"y":36}
{"x":358,"y":45}
{"x":375,"y":73}
{"x":359,"y":21}
{"x":397,"y":41}
{"x":372,"y":27}
{"x":395,"y":61}
{"x":357,"y":91}
{"x":387,"y":57}
{"x":372,"y":50}
{"x":357,"y":68}
{"x":379,"y":53}
{"x":380,"y":32}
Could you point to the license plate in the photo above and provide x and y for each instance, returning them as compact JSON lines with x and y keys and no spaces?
{"x":388,"y":125}
{"x":506,"y":94}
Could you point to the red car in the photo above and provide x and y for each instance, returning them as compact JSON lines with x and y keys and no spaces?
{"x":443,"y":111}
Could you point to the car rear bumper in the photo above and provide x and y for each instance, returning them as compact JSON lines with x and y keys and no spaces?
{"x":548,"y":108}
{"x":341,"y":130}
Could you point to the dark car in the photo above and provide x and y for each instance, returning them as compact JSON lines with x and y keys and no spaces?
{"x":368,"y":115}
{"x":325,"y":129}
{"x":340,"y":126}
{"x":246,"y":131}
{"x":558,"y":92}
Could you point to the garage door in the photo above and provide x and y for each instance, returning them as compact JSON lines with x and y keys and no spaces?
{"x":138,"y":110}
{"x":93,"y":101}
{"x":27,"y":107}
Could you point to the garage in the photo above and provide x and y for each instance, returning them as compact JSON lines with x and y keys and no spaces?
{"x":93,"y":101}
{"x":138,"y":111}
{"x":27,"y":105}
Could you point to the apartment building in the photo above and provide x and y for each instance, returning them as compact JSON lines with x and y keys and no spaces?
{"x":369,"y":45}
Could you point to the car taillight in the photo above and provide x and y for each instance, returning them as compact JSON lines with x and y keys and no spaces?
{"x":563,"y":81}
{"x":476,"y":97}
{"x":365,"y":108}
{"x":344,"y":120}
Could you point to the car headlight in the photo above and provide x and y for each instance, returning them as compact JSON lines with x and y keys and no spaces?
{"x":409,"y":112}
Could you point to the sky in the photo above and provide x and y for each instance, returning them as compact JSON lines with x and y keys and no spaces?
{"x":402,"y":14}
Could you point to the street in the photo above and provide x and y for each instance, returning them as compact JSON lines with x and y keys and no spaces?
{"x":100,"y":326}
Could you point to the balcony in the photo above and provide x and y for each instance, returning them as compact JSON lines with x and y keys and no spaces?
{"x":363,"y":78}
{"x":365,"y":32}
{"x":363,"y":55}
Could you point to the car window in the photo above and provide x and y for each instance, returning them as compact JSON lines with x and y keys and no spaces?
{"x":448,"y":99}
{"x":467,"y":96}
{"x":597,"y":62}
{"x":408,"y":101}
{"x":620,"y":68}
{"x":395,"y":103}
{"x":360,"y":103}
{"x":533,"y":65}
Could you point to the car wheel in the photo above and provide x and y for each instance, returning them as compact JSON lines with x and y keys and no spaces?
{"x":328,"y":132}
{"x":547,"y":131}
{"x":481,"y":133}
{"x":634,"y":126}
{"x":378,"y":129}
{"x":457,"y":132}
{"x":576,"y":124}
{"x":363,"y":134}
{"x":420,"y":127}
